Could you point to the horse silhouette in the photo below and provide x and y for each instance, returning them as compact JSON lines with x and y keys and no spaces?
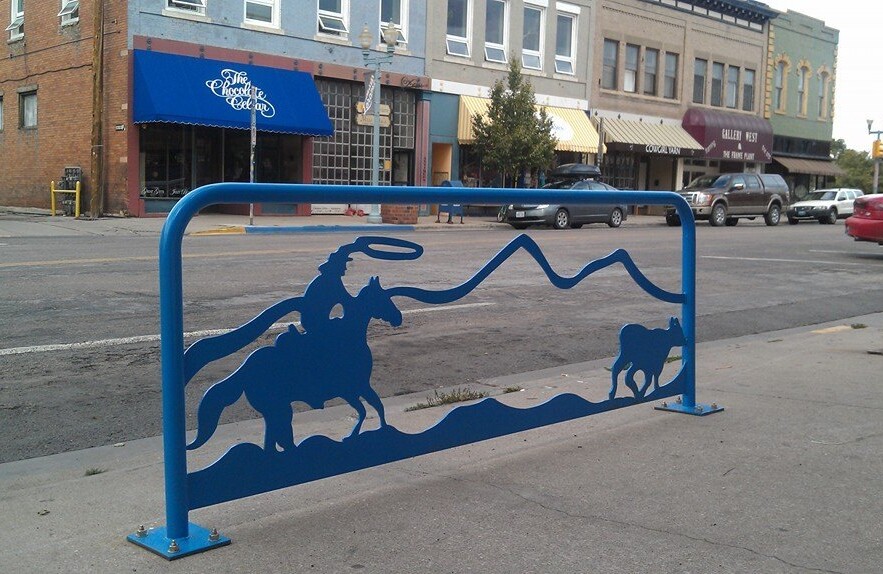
{"x":312,"y":367}
{"x":643,"y":349}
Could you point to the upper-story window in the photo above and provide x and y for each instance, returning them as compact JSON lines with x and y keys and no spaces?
{"x":717,"y":84}
{"x":566,"y":38}
{"x":748,"y":90}
{"x":27,"y":110}
{"x":16,"y":26}
{"x":334,"y":17}
{"x":609,"y":78}
{"x":732,"y":86}
{"x":670,"y":87}
{"x":532,"y":42}
{"x":823,"y":94}
{"x":496,"y":31}
{"x":70,"y":12}
{"x":651,"y":70}
{"x":192,"y":6}
{"x":802,"y":90}
{"x":263,"y":12}
{"x":700,"y":72}
{"x":779,"y":86}
{"x":630,"y":70}
{"x":457,"y":38}
{"x":395,"y":12}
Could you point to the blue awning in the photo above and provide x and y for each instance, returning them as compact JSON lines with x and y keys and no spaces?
{"x":186,"y":90}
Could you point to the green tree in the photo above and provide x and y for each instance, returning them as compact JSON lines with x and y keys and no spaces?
{"x":859,"y":167}
{"x":513,"y":138}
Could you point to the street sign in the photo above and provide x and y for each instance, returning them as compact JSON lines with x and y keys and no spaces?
{"x":363,"y":120}
{"x":384,"y":109}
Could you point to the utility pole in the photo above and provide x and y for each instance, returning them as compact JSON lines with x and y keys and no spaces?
{"x":96,"y":193}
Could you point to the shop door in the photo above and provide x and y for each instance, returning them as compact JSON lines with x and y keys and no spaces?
{"x":401,"y":167}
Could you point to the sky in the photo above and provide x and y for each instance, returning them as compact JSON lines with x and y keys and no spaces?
{"x":859,"y":89}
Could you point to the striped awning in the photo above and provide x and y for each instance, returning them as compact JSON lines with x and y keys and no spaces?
{"x":571,"y":127}
{"x":649,"y":137}
{"x":810,"y":166}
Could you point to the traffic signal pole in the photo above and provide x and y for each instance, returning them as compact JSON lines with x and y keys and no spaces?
{"x":876,"y":154}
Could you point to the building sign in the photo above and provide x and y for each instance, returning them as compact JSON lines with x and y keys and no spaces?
{"x":561,"y":130}
{"x":731,"y":137}
{"x":652,"y":149}
{"x":235,"y":87}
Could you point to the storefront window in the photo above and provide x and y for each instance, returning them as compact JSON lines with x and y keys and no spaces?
{"x":165,"y":152}
{"x":177,"y":158}
{"x":620,"y":170}
{"x":345,"y":158}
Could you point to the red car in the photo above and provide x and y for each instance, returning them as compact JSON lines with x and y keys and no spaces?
{"x":866,"y":223}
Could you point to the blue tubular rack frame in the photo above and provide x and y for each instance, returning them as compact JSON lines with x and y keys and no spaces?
{"x":179,"y":533}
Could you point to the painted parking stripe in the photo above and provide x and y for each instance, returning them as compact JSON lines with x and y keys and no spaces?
{"x":771,"y":260}
{"x":191,"y":335}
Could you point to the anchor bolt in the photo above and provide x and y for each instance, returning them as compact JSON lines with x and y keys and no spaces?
{"x":213,"y":535}
{"x":141,"y":532}
{"x":174,"y":548}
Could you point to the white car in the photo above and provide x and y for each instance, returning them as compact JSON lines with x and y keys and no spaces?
{"x":825,"y":205}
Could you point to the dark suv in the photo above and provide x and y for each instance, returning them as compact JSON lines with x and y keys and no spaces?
{"x":724,"y":198}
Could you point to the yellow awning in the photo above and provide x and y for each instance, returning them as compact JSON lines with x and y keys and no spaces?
{"x":572,"y":128}
{"x":651,"y":137}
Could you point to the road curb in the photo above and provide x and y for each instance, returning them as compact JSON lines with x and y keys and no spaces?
{"x":262,"y":230}
{"x":228,"y":230}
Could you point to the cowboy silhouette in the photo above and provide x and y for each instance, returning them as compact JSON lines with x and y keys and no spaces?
{"x":322,"y":295}
{"x":326,"y":291}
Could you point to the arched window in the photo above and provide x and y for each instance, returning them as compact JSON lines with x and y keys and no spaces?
{"x":779,"y":86}
{"x":802,"y":90}
{"x":823,"y":94}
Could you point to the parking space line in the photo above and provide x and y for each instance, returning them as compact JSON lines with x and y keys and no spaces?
{"x":191,"y":335}
{"x":772,"y":260}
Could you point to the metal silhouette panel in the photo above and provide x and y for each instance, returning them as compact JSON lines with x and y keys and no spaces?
{"x":302,"y":363}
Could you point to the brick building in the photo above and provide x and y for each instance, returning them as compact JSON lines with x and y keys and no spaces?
{"x":46,"y":98}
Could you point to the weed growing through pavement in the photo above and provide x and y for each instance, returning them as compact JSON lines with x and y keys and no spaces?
{"x":858,"y":326}
{"x":457,"y":395}
{"x":513,"y":389}
{"x":94,"y":471}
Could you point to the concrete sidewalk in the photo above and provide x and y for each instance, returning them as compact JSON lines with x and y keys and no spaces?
{"x":786,"y":479}
{"x":37,"y":223}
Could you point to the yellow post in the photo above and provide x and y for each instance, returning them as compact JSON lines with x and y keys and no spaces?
{"x":52,"y":197}
{"x":77,"y":202}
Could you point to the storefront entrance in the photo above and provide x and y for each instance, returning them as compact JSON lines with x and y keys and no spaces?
{"x":194,"y":117}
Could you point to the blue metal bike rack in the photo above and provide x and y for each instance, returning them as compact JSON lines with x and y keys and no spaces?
{"x":271,"y":389}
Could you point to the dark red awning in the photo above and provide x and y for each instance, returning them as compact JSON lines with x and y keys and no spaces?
{"x":731,"y":137}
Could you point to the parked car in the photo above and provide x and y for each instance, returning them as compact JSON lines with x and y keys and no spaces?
{"x":574,"y":176}
{"x":866,"y":223}
{"x":724,"y":198}
{"x":825,"y":205}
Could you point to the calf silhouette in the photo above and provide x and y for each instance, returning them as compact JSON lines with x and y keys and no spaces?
{"x":643,"y":349}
